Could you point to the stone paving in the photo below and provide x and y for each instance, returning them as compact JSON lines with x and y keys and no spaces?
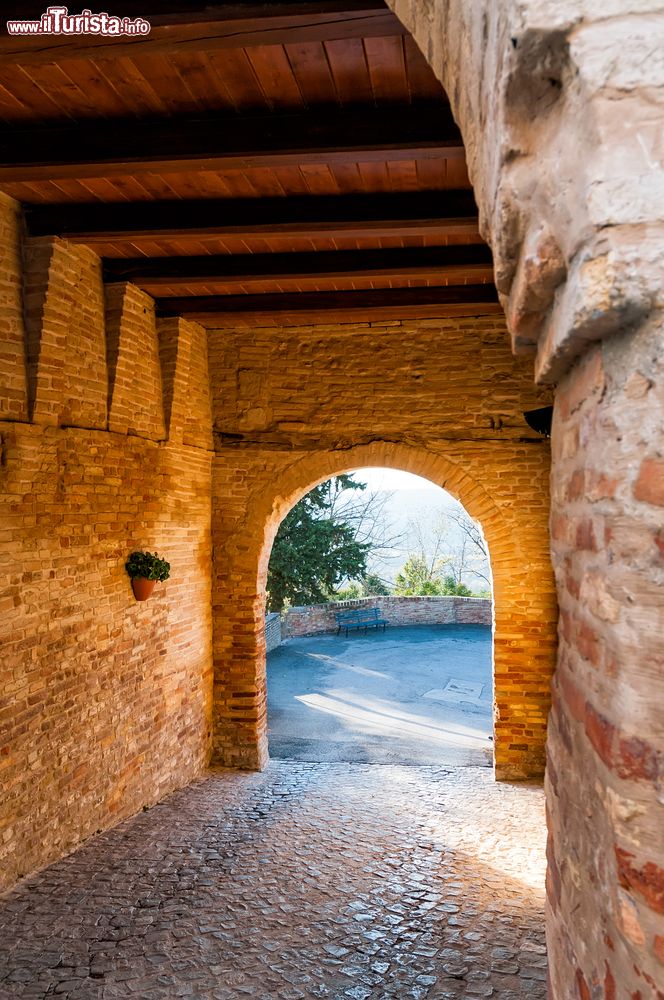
{"x":384,"y":697}
{"x":339,"y":881}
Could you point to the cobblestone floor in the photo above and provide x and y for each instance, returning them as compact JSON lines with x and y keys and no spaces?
{"x":340,"y":881}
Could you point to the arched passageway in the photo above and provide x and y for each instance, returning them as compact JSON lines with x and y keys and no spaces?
{"x":415,"y":687}
{"x":523,"y":608}
{"x":558,"y":105}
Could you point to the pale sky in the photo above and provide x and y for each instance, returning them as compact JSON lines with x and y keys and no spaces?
{"x":393,"y":479}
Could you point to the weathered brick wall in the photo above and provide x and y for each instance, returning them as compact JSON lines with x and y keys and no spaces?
{"x":105,"y":701}
{"x":606,"y":745}
{"x":135,"y":403}
{"x":295,"y":406}
{"x":316,"y":618}
{"x":64,"y":301}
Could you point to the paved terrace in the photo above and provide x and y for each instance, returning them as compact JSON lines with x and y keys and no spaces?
{"x":418,"y":695}
{"x":337,"y":881}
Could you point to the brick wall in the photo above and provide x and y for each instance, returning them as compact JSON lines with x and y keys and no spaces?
{"x":135,"y":403}
{"x":105,"y":701}
{"x":293,"y":406}
{"x":606,"y":745}
{"x":316,"y":618}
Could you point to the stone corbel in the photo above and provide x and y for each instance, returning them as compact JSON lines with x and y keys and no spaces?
{"x":604,"y":294}
{"x":540,"y":270}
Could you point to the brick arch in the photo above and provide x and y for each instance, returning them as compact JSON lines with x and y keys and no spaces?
{"x":317,"y":468}
{"x":521,"y":652}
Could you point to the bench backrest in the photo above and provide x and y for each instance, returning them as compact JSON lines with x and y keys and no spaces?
{"x":356,"y":615}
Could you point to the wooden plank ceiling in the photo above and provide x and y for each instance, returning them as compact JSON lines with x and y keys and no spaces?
{"x":295,"y":160}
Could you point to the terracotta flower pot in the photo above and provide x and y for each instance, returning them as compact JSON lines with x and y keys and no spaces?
{"x":142,"y":588}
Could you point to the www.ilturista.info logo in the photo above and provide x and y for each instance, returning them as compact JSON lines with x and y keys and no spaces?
{"x":58,"y":21}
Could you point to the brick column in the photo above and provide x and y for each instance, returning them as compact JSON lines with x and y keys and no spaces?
{"x":606,"y":745}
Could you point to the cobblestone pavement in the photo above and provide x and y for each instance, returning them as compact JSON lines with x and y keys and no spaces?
{"x":340,"y":881}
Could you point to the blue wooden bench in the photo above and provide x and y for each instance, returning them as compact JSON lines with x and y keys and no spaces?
{"x":359,"y":618}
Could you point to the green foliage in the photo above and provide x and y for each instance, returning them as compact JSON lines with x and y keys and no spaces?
{"x":314,"y":551}
{"x":148,"y":565}
{"x":416,"y":579}
{"x":369,"y":586}
{"x":450,"y":549}
{"x":373,"y":586}
{"x":453,"y":589}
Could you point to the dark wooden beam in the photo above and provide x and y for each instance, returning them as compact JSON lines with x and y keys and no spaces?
{"x":437,"y":213}
{"x":94,"y":149}
{"x":453,"y":263}
{"x":348,"y":316}
{"x":178,"y":27}
{"x":206,"y":306}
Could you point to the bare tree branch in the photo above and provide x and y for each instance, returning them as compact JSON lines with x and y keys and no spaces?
{"x":365,"y":511}
{"x":460,"y":553}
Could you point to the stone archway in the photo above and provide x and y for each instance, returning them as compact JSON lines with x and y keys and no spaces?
{"x":523,"y":634}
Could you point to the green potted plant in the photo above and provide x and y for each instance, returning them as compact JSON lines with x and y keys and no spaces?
{"x":145,"y":569}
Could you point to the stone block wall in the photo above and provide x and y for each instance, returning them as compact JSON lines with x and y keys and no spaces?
{"x":316,"y":618}
{"x":294,"y":406}
{"x":105,"y":701}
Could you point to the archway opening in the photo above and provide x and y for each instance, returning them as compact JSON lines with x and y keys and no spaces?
{"x":379,"y":632}
{"x":268,"y":485}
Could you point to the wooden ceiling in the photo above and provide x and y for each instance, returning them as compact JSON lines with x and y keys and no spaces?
{"x":289,"y":159}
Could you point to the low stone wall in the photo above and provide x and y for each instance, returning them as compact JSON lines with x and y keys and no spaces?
{"x":272,"y":631}
{"x":397,"y":610}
